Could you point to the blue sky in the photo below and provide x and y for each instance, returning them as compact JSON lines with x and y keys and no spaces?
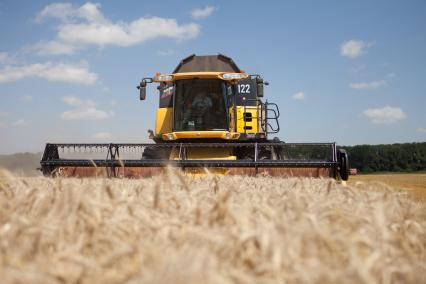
{"x":353,"y":72}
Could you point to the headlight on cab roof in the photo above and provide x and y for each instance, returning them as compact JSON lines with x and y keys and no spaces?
{"x":163,"y":78}
{"x":234,"y":76}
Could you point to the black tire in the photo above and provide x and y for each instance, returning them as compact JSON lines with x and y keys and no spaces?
{"x":149,"y":153}
{"x":154,"y":153}
{"x":343,"y":164}
{"x":264,"y":154}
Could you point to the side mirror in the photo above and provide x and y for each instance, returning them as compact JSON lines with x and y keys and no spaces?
{"x":142,"y":93}
{"x":259,"y":83}
{"x":142,"y":90}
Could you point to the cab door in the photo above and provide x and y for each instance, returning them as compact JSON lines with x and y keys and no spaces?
{"x":164,"y":116}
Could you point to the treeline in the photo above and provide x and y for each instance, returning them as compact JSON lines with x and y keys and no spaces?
{"x":407,"y":157}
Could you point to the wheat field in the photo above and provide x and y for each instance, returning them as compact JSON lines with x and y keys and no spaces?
{"x":179,"y":229}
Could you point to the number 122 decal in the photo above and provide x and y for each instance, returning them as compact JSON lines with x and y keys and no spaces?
{"x":244,"y":89}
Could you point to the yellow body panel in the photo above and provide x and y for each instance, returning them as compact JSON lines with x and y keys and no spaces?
{"x":247,"y":126}
{"x":201,"y":134}
{"x":250,"y":127}
{"x":202,"y":75}
{"x":204,"y":154}
{"x":200,"y":153}
{"x":164,"y":120}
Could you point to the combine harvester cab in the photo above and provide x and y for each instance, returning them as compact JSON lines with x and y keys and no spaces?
{"x":211,"y":117}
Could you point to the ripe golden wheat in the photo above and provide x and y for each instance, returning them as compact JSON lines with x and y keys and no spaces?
{"x":177,"y":229}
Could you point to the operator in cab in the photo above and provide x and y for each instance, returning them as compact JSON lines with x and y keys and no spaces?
{"x":197,"y":112}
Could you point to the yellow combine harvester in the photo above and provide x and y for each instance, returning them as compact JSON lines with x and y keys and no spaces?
{"x":212,"y":117}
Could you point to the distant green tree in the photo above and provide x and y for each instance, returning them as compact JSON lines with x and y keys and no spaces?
{"x":405,"y":157}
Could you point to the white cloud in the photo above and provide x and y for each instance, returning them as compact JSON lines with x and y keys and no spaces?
{"x":421,"y":130}
{"x":73,"y":101}
{"x":66,"y":12}
{"x":27,"y":99}
{"x":384,"y":115}
{"x":20,"y":122}
{"x":61,"y":72}
{"x":57,"y":10}
{"x":354,"y":48}
{"x":84,"y":110}
{"x":368,"y":85}
{"x":52,"y":47}
{"x":86,"y":113}
{"x":87,"y":25}
{"x":5,"y":58}
{"x":102,"y":135}
{"x":90,"y":12}
{"x":300,"y":96}
{"x":120,"y":34}
{"x":202,"y":13}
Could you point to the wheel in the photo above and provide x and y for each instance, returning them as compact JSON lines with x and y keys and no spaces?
{"x":149,"y":153}
{"x":343,"y":164}
{"x":264,"y":155}
{"x":153,"y":153}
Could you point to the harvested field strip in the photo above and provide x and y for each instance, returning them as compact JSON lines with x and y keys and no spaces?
{"x":176,"y":229}
{"x":413,"y":183}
